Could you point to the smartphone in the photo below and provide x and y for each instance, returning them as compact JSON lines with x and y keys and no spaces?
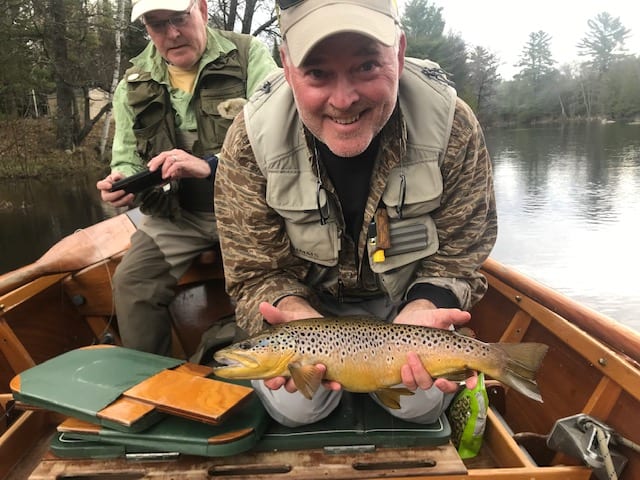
{"x":139,"y":181}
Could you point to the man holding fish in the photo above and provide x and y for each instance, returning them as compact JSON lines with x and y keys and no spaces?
{"x":354,"y":183}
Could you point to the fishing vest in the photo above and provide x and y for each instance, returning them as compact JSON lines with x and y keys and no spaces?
{"x":413,"y":189}
{"x":154,"y":126}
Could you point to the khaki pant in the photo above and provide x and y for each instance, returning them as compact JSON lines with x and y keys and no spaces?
{"x":144,"y":283}
{"x":293,"y":409}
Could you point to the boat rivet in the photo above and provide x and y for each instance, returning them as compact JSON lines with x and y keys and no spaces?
{"x":1,"y":307}
{"x":602,"y":361}
{"x":518,"y":298}
{"x":78,"y":300}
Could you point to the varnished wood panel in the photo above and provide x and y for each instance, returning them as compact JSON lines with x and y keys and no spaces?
{"x":46,"y":326}
{"x":491,"y":316}
{"x":189,"y":396}
{"x":91,"y":288}
{"x":195,"y":309}
{"x":301,"y":465}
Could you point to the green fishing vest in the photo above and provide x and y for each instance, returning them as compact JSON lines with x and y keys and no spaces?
{"x":277,"y":138}
{"x":154,"y":126}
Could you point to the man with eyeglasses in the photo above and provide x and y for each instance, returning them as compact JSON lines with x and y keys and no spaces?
{"x":172,"y":110}
{"x":354,"y":183}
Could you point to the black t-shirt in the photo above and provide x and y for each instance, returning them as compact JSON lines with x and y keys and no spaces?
{"x":351,"y":177}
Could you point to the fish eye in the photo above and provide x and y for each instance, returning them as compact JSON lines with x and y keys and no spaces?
{"x":244,"y":346}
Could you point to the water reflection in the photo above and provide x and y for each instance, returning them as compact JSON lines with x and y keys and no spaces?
{"x":568,"y":209}
{"x":36,"y":213}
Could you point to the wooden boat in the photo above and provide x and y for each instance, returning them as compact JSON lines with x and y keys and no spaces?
{"x":63,"y":301}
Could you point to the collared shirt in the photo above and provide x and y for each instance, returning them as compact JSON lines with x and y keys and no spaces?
{"x":124,"y":156}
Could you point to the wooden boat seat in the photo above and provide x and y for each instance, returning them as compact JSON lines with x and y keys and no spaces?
{"x":435,"y":462}
{"x":200,"y":301}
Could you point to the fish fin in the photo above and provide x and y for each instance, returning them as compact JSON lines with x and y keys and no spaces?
{"x":390,"y":397}
{"x":458,"y":376}
{"x":523,"y":362}
{"x":467,"y":332}
{"x":306,"y":377}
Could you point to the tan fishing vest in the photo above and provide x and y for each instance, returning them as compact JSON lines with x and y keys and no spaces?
{"x":277,"y":138}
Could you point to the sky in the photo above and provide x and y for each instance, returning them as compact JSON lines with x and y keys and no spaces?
{"x":503,"y":26}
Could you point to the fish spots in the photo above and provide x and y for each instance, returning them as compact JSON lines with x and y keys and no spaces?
{"x":353,"y":342}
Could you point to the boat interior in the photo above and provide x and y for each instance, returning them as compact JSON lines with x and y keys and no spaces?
{"x":582,"y":374}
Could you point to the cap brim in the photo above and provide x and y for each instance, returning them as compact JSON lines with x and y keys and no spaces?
{"x":144,"y":6}
{"x":324,"y":22}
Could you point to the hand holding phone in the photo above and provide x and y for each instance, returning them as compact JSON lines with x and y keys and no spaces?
{"x":139,"y":181}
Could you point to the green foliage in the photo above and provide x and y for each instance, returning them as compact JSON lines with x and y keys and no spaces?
{"x":453,"y":59}
{"x":422,"y":20}
{"x":424,"y":26}
{"x":483,"y":82}
{"x":605,"y":86}
{"x":536,"y":61}
{"x":620,"y":93}
{"x":23,"y":60}
{"x":604,"y":42}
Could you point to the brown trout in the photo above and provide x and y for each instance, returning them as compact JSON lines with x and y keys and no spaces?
{"x":364,"y":354}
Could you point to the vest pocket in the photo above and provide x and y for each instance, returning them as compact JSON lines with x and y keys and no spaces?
{"x":149,"y":126}
{"x":412,"y":240}
{"x":308,"y":212}
{"x":211,"y":97}
{"x":310,"y":239}
{"x":209,"y":102}
{"x":416,"y":189}
{"x":148,"y":141}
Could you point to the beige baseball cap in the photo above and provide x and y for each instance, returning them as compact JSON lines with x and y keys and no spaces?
{"x":140,"y":7}
{"x":304,"y":23}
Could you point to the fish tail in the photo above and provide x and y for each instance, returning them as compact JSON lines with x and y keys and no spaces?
{"x":522,"y":364}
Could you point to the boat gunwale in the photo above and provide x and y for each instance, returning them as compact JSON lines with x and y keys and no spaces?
{"x":619,"y":337}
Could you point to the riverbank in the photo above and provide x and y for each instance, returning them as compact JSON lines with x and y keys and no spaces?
{"x":28,"y":150}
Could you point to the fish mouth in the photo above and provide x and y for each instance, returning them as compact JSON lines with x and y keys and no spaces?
{"x":232,"y":360}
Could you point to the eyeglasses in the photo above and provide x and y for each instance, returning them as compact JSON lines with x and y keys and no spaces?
{"x":176,"y":21}
{"x":284,"y":4}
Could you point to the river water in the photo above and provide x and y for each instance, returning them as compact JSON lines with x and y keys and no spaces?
{"x":569,"y":209}
{"x":568,"y":205}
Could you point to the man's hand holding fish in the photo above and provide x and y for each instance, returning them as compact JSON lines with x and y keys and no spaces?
{"x":424,"y":313}
{"x":414,"y":375}
{"x":274,"y":316}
